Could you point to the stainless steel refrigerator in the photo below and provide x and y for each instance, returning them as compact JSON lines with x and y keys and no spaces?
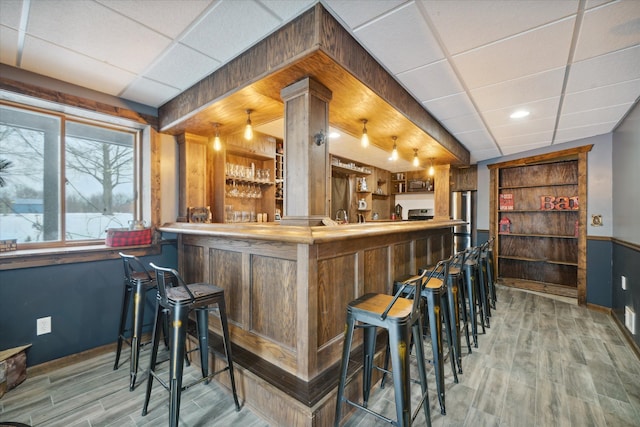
{"x":463,"y":206}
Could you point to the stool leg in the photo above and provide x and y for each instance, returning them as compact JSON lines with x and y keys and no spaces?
{"x":138,"y":320}
{"x":454,"y":320}
{"x":399,"y":336}
{"x":346,"y":351}
{"x":422,"y":371}
{"x":492,"y":285}
{"x":202,"y":317}
{"x":449,"y":330}
{"x":126,"y":296}
{"x":368,"y":355}
{"x":385,"y":366}
{"x":478,"y":296}
{"x":177,"y":340}
{"x":154,"y":356}
{"x":484,"y":291}
{"x":462,"y":307}
{"x":435,"y":326}
{"x":227,"y":349}
{"x":471,"y":296}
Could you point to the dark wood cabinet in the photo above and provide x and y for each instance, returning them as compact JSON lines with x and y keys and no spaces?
{"x":538,"y":220}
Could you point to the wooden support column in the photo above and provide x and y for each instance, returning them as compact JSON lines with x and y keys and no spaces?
{"x":307,"y":166}
{"x":442,"y":193}
{"x":192,"y":187}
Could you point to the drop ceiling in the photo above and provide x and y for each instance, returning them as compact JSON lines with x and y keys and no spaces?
{"x":574,"y":65}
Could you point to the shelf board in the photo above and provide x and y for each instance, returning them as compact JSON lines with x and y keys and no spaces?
{"x":363,"y":192}
{"x":380,"y":195}
{"x":548,"y":261}
{"x":348,"y":170}
{"x":551,"y":236}
{"x":563,"y":184}
{"x":538,"y":210}
{"x":247,"y":181}
{"x":549,"y":288}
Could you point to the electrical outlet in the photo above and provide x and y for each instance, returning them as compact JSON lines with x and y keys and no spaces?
{"x":623,"y":282}
{"x":43,"y":325}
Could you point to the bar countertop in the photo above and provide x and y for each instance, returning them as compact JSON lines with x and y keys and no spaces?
{"x":300,"y":234}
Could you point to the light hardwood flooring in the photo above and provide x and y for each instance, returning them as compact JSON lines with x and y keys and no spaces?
{"x":543,"y":362}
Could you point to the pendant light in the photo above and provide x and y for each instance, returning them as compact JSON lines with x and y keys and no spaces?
{"x":416,"y":161}
{"x":217,"y":145}
{"x":248,"y":129}
{"x":365,"y":138}
{"x":431,"y":170}
{"x":394,"y":152}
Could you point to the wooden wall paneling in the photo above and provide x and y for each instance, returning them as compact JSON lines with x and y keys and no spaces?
{"x":306,"y":311}
{"x":402,"y":262}
{"x":421,"y":254}
{"x":273,"y":284}
{"x":582,"y":227}
{"x":336,"y":288}
{"x":376,"y":272}
{"x":464,"y":178}
{"x":226,"y":272}
{"x":192,"y":264}
{"x":155,"y":190}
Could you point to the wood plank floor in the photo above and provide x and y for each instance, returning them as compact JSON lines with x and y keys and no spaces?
{"x":543,"y":362}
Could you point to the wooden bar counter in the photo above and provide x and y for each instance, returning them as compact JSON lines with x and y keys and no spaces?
{"x":287,"y":288}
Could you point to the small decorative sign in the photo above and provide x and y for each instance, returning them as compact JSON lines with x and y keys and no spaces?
{"x":559,"y":203}
{"x":506,"y":202}
{"x":505,"y":226}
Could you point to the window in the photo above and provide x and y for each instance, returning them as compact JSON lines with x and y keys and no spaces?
{"x":63,"y":180}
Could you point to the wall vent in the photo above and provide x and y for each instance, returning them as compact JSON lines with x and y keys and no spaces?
{"x":630,"y":319}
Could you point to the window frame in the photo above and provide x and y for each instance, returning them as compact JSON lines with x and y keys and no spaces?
{"x":77,"y":115}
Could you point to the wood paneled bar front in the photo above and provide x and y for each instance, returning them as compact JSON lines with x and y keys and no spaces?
{"x":286,"y":290}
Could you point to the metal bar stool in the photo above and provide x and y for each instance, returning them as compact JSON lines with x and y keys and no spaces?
{"x":486,"y":256}
{"x":177,"y":300}
{"x":403,"y":320}
{"x":137,"y":281}
{"x":470,"y":270}
{"x":436,"y":295}
{"x":457,"y":310}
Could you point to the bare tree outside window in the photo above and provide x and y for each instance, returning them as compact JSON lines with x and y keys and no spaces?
{"x":45,"y":199}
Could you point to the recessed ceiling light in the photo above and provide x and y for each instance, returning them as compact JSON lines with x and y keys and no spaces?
{"x":519,"y":114}
{"x":334,"y":135}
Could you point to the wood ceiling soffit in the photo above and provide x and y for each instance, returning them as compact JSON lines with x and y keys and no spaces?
{"x":316,"y":45}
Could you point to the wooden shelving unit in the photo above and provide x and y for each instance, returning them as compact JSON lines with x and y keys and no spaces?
{"x":541,"y":234}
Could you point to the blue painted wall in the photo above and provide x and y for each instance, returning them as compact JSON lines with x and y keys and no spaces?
{"x":83,"y":299}
{"x":626,"y":262}
{"x":599,"y":253}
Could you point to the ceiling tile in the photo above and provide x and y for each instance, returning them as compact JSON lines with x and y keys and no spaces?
{"x":450,"y":106}
{"x":525,"y":127}
{"x":518,"y":56}
{"x":463,"y":123}
{"x":8,"y":45}
{"x":621,"y":93}
{"x":63,"y":64}
{"x":149,"y":92}
{"x":464,"y":25}
{"x":520,"y":148}
{"x":403,"y":27}
{"x":219,"y":34}
{"x":601,"y":115}
{"x":480,"y":155}
{"x":287,"y":10}
{"x":476,"y":140}
{"x":10,"y":13}
{"x":181,"y":66}
{"x":431,"y":81}
{"x":112,"y":39}
{"x":608,"y":28}
{"x":171,"y":18}
{"x":542,"y":109}
{"x":616,"y":67}
{"x":572,"y":134}
{"x":519,"y":92}
{"x":357,"y":12}
{"x":540,"y":138}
